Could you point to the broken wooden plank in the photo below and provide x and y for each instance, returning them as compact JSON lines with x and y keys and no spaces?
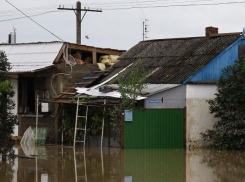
{"x":90,"y":78}
{"x":99,"y":71}
{"x":83,"y":83}
{"x":68,"y":93}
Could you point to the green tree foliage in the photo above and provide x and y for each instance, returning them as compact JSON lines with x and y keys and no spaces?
{"x":229,"y":107}
{"x":131,"y":84}
{"x":7,"y":118}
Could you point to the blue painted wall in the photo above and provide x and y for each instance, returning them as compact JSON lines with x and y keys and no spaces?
{"x":211,"y":72}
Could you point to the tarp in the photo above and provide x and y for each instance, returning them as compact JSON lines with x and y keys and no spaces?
{"x":28,"y":137}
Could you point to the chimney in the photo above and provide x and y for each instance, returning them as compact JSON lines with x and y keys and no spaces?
{"x":12,"y":36}
{"x":211,"y":31}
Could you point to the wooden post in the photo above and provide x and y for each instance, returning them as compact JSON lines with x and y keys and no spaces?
{"x":122,"y":167}
{"x":103,"y":125}
{"x":78,"y":22}
{"x":24,"y":93}
{"x":122,"y":128}
{"x":36,"y":168}
{"x":37,"y":117}
{"x":94,"y":57}
{"x":185,"y":129}
{"x":78,"y":17}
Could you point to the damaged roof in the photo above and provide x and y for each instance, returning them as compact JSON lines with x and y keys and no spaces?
{"x":172,"y":61}
{"x":31,"y":57}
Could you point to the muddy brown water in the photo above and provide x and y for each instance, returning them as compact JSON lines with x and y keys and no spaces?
{"x":62,"y":164}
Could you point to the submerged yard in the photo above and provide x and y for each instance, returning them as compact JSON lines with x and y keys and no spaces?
{"x":63,"y":164}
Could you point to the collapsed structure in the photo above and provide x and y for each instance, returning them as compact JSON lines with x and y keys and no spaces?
{"x":40,"y":69}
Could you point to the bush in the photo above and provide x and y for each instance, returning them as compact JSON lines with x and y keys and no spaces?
{"x":229,"y":107}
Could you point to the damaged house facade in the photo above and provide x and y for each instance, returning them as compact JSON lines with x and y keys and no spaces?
{"x":39,"y":69}
{"x":183,"y":73}
{"x":183,"y":76}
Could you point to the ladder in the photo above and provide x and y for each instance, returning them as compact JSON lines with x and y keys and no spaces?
{"x":84,"y":129}
{"x":80,"y":165}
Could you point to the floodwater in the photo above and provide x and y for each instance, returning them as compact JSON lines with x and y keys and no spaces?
{"x":63,"y":164}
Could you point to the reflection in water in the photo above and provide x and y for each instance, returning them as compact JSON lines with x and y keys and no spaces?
{"x":227,"y":166}
{"x":154,"y":165}
{"x":78,"y":151}
{"x":215,"y":166}
{"x":57,"y":164}
{"x":6,"y":170}
{"x":32,"y":150}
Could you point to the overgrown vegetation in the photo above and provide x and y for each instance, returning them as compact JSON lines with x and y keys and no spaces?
{"x":131,"y":84}
{"x":7,"y":119}
{"x":229,"y":107}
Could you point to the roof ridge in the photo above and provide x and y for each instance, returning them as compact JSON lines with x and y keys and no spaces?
{"x":24,"y":43}
{"x":225,"y":34}
{"x":197,"y":37}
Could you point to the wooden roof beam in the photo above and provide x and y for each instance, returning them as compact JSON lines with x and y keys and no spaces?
{"x":94,"y":49}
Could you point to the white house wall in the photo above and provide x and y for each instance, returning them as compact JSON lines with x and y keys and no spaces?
{"x":14,"y":83}
{"x":198,"y":117}
{"x":173,"y":98}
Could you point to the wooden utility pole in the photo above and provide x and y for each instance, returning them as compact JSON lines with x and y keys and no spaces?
{"x":79,"y":20}
{"x":78,"y":13}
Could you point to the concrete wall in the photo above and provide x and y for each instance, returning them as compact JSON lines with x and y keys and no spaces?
{"x":198,"y":117}
{"x":170,"y":99}
{"x":14,"y":83}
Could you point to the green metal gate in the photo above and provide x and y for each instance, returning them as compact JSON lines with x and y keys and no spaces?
{"x":155,"y":129}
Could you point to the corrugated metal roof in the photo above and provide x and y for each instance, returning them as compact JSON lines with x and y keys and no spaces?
{"x":172,"y":61}
{"x":30,"y":57}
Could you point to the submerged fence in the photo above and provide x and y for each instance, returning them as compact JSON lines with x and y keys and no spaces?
{"x":155,"y":129}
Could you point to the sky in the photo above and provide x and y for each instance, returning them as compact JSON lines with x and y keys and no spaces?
{"x":119,"y":25}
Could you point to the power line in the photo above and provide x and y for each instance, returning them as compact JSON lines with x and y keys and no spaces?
{"x":27,"y":10}
{"x":140,"y":9}
{"x":147,"y":2}
{"x":177,"y":5}
{"x":28,"y":13}
{"x":101,"y":3}
{"x":35,"y":21}
{"x":29,"y":16}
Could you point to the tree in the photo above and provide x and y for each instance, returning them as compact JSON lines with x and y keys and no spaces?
{"x":229,"y":107}
{"x":7,"y":119}
{"x":131,"y":84}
